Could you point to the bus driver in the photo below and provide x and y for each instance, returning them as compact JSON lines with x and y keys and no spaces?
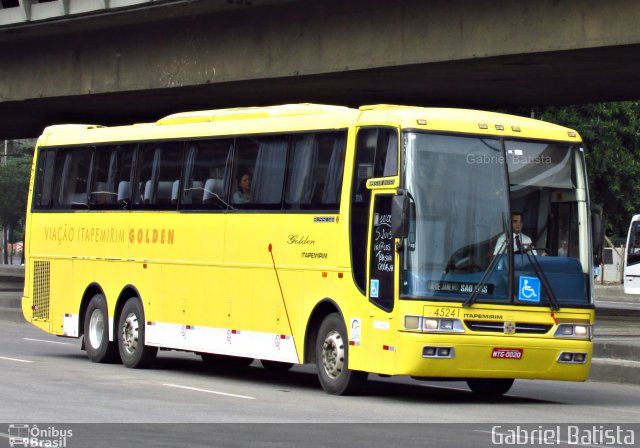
{"x":516,"y":225}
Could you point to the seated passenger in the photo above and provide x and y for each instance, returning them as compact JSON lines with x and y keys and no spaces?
{"x":243,"y":195}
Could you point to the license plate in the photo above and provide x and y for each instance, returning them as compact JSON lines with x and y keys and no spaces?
{"x":507,"y":353}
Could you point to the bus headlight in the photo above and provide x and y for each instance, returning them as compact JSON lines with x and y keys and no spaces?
{"x":578,"y":331}
{"x":446,"y":324}
{"x":433,"y":324}
{"x":412,"y":322}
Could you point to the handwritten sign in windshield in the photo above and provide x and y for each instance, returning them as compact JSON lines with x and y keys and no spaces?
{"x":381,"y":267}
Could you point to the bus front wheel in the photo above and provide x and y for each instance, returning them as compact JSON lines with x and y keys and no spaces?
{"x":490,"y":387}
{"x":133,"y":352}
{"x":332,"y":358}
{"x":96,"y":331}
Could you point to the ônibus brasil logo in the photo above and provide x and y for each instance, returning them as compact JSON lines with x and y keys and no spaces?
{"x":34,"y":436}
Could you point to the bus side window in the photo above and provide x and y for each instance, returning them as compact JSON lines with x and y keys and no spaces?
{"x":303,"y":164}
{"x":103,"y":189}
{"x":71,"y":178}
{"x":160,"y":166}
{"x":315,"y":171}
{"x":633,"y":251}
{"x":45,"y":176}
{"x":206,"y":174}
{"x":268,"y":157}
{"x":335,"y":172}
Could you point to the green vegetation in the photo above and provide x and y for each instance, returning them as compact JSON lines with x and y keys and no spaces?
{"x":15,"y":169}
{"x":611,"y":132}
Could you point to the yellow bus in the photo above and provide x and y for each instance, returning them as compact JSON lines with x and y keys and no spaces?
{"x":368,"y":240}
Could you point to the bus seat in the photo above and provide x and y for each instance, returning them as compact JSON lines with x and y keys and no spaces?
{"x":148,"y":193}
{"x":212,"y":188}
{"x":197,"y":192}
{"x":102,"y":194}
{"x":124,"y":191}
{"x":163,"y":192}
{"x":175,"y":192}
{"x":78,"y":199}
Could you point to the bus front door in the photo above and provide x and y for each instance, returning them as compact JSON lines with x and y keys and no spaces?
{"x":381,"y":286}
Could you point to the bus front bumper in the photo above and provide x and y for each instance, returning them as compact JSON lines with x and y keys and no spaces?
{"x":474,"y":356}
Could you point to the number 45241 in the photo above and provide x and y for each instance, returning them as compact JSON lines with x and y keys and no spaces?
{"x":447,"y":312}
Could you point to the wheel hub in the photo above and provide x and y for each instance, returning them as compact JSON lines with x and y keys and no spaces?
{"x":130,"y":331}
{"x":96,"y":329}
{"x":333,"y":354}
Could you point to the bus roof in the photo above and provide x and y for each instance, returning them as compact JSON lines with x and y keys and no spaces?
{"x":305,"y":117}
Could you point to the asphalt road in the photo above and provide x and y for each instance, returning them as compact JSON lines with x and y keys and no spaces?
{"x":49,"y":381}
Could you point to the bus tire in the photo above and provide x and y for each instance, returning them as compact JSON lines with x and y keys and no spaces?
{"x":131,"y":327}
{"x":332,"y":357}
{"x":490,"y":387}
{"x":275,"y":366}
{"x":96,"y":331}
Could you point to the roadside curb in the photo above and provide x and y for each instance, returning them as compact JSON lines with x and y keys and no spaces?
{"x":11,"y":314}
{"x":615,"y":371}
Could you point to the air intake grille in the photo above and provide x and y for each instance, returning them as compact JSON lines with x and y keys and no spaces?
{"x":498,"y":327}
{"x":41,"y":290}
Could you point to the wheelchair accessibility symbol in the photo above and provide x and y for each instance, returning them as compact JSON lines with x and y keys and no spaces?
{"x":374,"y":288}
{"x":529,"y":289}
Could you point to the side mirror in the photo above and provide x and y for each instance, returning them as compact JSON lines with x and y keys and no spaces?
{"x":399,"y":216}
{"x":597,"y":233}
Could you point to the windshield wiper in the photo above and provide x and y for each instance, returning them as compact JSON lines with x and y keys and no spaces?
{"x":492,"y":267}
{"x":553,"y":300}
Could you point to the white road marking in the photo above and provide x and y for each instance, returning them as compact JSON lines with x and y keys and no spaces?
{"x":208,"y":391}
{"x":14,"y":359}
{"x":48,"y":342}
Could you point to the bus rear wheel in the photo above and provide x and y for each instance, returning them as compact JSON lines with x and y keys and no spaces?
{"x":332,"y":358}
{"x":490,"y":387}
{"x":96,"y":331}
{"x":133,"y":352}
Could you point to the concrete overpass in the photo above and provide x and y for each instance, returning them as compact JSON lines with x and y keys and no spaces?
{"x":121,"y":61}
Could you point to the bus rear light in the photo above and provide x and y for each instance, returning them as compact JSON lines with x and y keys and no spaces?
{"x":437,"y":352}
{"x":572,"y":358}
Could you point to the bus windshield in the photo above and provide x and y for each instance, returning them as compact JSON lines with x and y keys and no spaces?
{"x":464,"y":200}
